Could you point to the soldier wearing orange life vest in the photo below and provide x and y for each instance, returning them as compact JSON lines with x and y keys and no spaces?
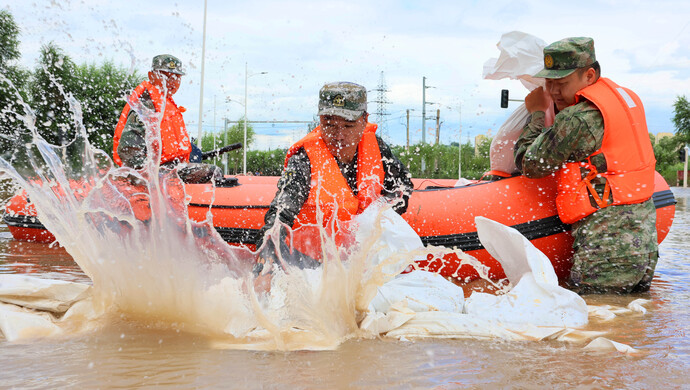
{"x":599,"y":148}
{"x":155,"y":95}
{"x":338,"y":169}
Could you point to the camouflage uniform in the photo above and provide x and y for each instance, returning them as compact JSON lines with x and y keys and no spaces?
{"x":132,"y":147}
{"x":295,"y":182}
{"x":616,"y":247}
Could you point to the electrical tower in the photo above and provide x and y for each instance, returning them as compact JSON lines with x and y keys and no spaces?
{"x":381,"y":109}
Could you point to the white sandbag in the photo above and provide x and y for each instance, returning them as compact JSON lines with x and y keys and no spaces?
{"x":389,"y":244}
{"x":377,"y":323}
{"x":41,"y":294}
{"x":455,"y":325}
{"x":395,"y":238}
{"x":521,"y":57}
{"x":536,"y":297}
{"x":602,"y":344}
{"x":637,"y":305}
{"x":450,"y":325}
{"x":422,"y":291}
{"x":17,"y":323}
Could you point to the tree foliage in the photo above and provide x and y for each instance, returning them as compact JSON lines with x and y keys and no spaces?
{"x":681,"y":119}
{"x":9,"y":39}
{"x":441,"y":161}
{"x":53,"y":78}
{"x":102,"y":91}
{"x":231,"y":135}
{"x":13,"y":81}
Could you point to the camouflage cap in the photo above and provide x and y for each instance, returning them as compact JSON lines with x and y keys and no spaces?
{"x":167,"y":63}
{"x":346,"y":100}
{"x":566,"y":56}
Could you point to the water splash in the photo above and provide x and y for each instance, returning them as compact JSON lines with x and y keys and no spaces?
{"x":129,"y":231}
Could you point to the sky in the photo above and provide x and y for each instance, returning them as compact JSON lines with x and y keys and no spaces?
{"x":301,"y":45}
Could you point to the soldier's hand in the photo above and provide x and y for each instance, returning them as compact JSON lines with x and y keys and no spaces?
{"x":262,"y":283}
{"x":538,"y":100}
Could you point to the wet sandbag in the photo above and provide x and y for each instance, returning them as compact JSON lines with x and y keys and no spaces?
{"x":18,"y":323}
{"x":422,"y":291}
{"x":536,"y":296}
{"x":55,"y":296}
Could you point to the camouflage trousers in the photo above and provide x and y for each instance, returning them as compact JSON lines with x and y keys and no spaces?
{"x":615,"y":250}
{"x":614,"y":275}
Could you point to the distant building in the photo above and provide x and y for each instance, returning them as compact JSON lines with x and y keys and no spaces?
{"x":480,"y":139}
{"x":659,"y":136}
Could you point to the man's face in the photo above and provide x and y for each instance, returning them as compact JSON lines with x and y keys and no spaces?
{"x":342,"y":136}
{"x":563,"y":90}
{"x":171,"y":81}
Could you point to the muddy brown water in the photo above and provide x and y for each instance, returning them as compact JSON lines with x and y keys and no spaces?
{"x":122,"y":354}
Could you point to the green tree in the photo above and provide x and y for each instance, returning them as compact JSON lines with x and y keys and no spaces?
{"x":102,"y":91}
{"x":667,"y":159}
{"x":681,"y":119}
{"x":53,"y":77}
{"x":266,"y":162}
{"x":233,"y":134}
{"x":441,"y":161}
{"x":9,"y":39}
{"x":13,"y":81}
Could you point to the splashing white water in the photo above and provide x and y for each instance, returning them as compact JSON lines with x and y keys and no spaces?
{"x":130,"y":233}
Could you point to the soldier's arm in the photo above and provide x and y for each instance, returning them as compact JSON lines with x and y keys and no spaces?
{"x":293,"y":191}
{"x":132,"y":147}
{"x":576,"y":133}
{"x":397,"y":182}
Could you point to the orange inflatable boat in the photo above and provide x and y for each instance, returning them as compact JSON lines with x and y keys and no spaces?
{"x":442,"y":215}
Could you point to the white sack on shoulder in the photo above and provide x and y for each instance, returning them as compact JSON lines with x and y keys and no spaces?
{"x":521,"y":57}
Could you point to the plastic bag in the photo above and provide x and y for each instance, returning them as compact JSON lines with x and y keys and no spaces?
{"x":503,"y":145}
{"x":521,"y":57}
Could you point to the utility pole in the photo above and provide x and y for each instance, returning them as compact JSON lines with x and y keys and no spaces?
{"x":423,"y":111}
{"x":407,"y":147}
{"x":460,"y":143}
{"x":685,"y":168}
{"x":201,"y":89}
{"x":244,"y":142}
{"x":225,"y":142}
{"x":424,"y":103}
{"x":215,"y":159}
{"x":438,"y":125}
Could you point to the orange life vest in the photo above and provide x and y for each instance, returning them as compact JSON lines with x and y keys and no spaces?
{"x":629,"y":156}
{"x":331,"y":202}
{"x":175,"y":142}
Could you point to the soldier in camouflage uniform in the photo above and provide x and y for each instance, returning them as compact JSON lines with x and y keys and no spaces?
{"x":615,"y":248}
{"x":166,"y":70}
{"x":342,"y":109}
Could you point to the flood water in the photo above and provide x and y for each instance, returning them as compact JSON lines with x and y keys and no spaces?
{"x":122,"y":354}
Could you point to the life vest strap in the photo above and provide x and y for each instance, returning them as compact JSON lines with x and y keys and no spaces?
{"x":601,"y":201}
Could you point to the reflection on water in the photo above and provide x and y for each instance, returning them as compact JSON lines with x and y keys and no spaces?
{"x":125,"y":355}
{"x":35,"y":259}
